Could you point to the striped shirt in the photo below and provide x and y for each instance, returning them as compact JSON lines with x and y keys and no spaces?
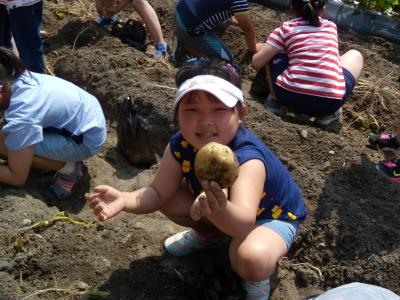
{"x":314,"y":60}
{"x":206,"y":15}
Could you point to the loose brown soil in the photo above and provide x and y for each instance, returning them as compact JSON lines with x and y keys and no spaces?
{"x":352,"y":231}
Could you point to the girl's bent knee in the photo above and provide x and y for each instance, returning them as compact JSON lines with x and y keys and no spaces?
{"x":357,"y":55}
{"x":254,"y":264}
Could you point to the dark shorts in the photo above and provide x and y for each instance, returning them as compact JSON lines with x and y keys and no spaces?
{"x":314,"y":106}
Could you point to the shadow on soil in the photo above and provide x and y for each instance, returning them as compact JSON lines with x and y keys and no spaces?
{"x":366,"y":206}
{"x":202,"y":276}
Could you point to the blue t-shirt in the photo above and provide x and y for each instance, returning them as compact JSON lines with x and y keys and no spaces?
{"x":205,"y":15}
{"x":41,"y":103}
{"x":281,"y":198}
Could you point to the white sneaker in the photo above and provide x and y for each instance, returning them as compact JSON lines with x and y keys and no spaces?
{"x":326,"y":120}
{"x":189,"y":241}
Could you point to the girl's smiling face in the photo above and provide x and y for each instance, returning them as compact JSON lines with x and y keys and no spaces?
{"x":203,"y":118}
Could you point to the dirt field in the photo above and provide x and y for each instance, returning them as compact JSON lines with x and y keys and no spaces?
{"x":352,"y":232}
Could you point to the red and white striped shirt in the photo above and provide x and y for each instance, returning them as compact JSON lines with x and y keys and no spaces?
{"x":314,"y":60}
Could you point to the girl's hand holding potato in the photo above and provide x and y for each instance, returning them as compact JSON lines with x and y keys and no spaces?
{"x":106,"y":202}
{"x":210,"y":202}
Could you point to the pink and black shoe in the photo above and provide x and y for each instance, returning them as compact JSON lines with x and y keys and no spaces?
{"x":63,"y":184}
{"x":390,"y":169}
{"x":384,"y":141}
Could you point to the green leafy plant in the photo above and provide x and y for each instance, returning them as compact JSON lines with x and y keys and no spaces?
{"x":388,"y":6}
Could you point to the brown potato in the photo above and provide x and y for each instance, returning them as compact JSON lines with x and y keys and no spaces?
{"x":217,"y":162}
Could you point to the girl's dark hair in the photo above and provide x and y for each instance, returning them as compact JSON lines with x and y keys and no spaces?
{"x":11,"y":67}
{"x":309,"y":10}
{"x":209,"y":66}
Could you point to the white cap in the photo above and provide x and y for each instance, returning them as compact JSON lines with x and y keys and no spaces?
{"x":225,"y":91}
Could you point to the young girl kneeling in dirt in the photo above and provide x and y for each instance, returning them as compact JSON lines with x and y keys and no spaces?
{"x":264,"y":207}
{"x":49,"y":124}
{"x":305,"y":70}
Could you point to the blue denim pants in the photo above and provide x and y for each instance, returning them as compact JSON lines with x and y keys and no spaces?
{"x":208,"y":43}
{"x":61,"y":148}
{"x":25,"y":25}
{"x":5,"y":33}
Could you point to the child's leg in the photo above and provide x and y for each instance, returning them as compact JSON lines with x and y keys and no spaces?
{"x":37,"y":162}
{"x":5,"y":33}
{"x":269,"y":81}
{"x":209,"y":44}
{"x":353,"y":61}
{"x":60,"y":148}
{"x":273,"y":69}
{"x":25,"y":25}
{"x":254,"y":258}
{"x":69,"y":152}
{"x":202,"y":44}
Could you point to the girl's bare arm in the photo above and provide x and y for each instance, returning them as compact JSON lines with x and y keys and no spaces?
{"x":264,"y":55}
{"x":163,"y":187}
{"x":19,"y":164}
{"x":244,"y":22}
{"x":238,"y":218}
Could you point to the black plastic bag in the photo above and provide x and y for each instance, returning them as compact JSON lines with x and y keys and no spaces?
{"x":133,"y":135}
{"x":259,"y":86}
{"x":131,"y":32}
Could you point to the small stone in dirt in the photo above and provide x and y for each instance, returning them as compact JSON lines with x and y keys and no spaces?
{"x":26,"y":222}
{"x":304,"y":133}
{"x":331,"y":152}
{"x":101,"y":264}
{"x":138,"y":225}
{"x":82,"y":286}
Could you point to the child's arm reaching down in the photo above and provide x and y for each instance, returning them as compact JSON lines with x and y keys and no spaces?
{"x":237,"y":216}
{"x":264,"y":55}
{"x":106,"y":201}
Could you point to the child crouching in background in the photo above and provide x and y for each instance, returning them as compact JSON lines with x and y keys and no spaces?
{"x":50,"y":124}
{"x":304,"y":69}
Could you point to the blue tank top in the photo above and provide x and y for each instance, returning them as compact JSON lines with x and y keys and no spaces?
{"x":281,"y":198}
